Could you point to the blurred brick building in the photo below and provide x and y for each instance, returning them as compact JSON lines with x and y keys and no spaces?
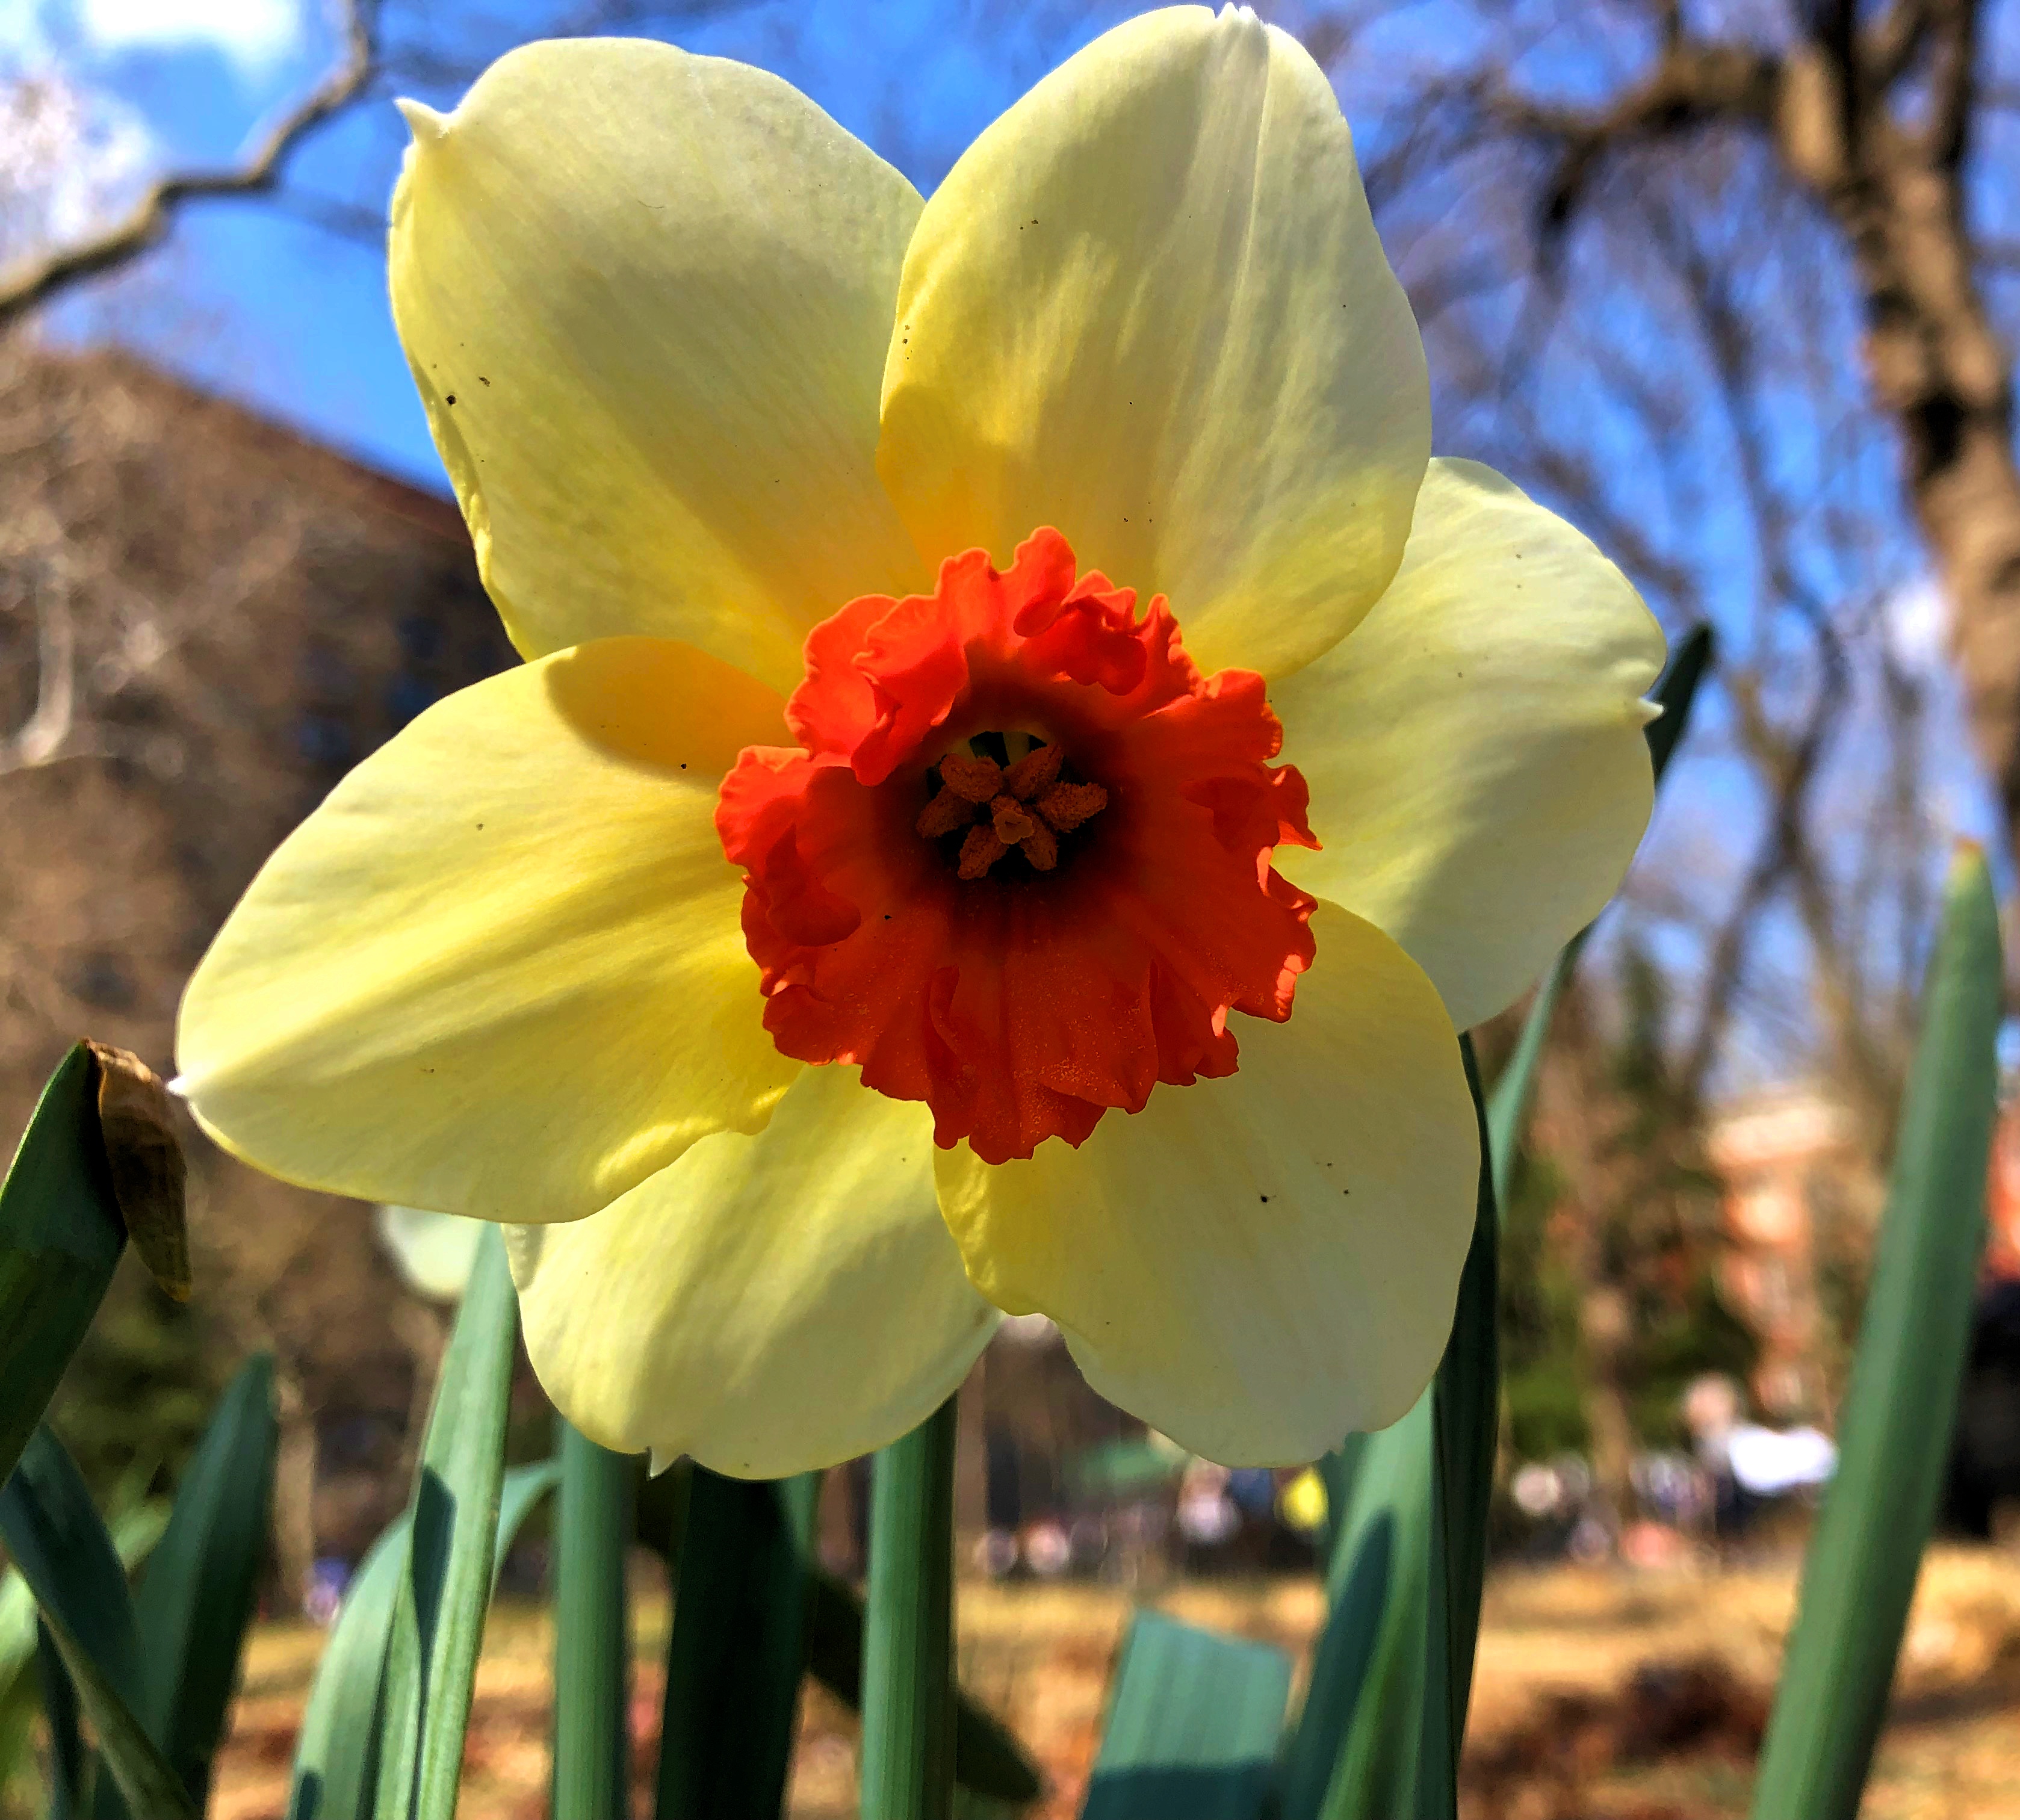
{"x":204,"y":621}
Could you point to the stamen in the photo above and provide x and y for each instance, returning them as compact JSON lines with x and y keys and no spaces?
{"x":980,"y":850}
{"x":1032,"y":776}
{"x":974,"y":780}
{"x":1022,"y":805}
{"x":1071,"y":803}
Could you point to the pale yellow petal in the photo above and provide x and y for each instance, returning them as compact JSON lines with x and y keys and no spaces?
{"x":768,"y":1304}
{"x":1479,"y":775}
{"x":1148,"y":307}
{"x":1257,"y":1265}
{"x":658,"y":288}
{"x":500,"y":970}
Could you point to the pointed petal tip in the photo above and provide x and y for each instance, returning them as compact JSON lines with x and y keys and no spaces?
{"x":425,"y":124}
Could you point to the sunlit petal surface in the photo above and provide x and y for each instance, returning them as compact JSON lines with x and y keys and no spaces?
{"x":1148,"y":307}
{"x":1478,"y":772}
{"x":499,"y":971}
{"x":659,"y":290}
{"x":768,"y":1304}
{"x":1257,"y":1265}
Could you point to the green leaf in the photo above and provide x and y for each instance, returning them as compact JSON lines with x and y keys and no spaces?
{"x":1191,"y":1727}
{"x":67,"y":1756}
{"x":1465,"y":1408}
{"x":197,"y":1596}
{"x":337,"y":1756}
{"x":1676,"y":690}
{"x":21,"y":1784}
{"x":135,"y":1531}
{"x":1344,"y":1657}
{"x":445,"y":1590}
{"x":60,"y":1547}
{"x":742,"y":1586}
{"x":908,"y":1676}
{"x":60,"y":1236}
{"x":1901,"y":1405}
{"x":592,"y":1770}
{"x":1373,"y":1738}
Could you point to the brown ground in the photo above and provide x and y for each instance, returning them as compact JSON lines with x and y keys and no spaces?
{"x":1602,"y":1695}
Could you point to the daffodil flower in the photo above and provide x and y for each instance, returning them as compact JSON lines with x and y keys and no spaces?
{"x":1023,"y":762}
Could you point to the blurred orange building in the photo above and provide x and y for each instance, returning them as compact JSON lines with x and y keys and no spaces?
{"x":1789,"y":1167}
{"x":1793,"y":1193}
{"x":2002,"y":1198}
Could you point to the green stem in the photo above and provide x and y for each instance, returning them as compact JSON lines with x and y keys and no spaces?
{"x":908,"y":1642}
{"x":592,"y":1633}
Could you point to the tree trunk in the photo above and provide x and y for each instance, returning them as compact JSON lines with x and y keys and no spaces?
{"x":1605,"y":1324}
{"x":1936,"y":365}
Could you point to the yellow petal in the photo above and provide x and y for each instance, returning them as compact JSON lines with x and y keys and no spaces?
{"x":1259,"y":1264}
{"x":659,"y":290}
{"x":768,"y":1304}
{"x":1148,"y":307}
{"x":500,"y":970}
{"x":1479,"y":777}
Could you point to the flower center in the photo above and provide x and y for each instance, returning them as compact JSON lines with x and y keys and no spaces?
{"x":997,"y":809}
{"x":1019,"y":865}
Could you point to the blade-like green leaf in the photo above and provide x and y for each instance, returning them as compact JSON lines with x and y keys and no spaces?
{"x":1374,"y":1738}
{"x":1191,"y":1727}
{"x":908,"y":1642}
{"x":592,"y":1770}
{"x":135,"y":1531}
{"x":336,"y":1755}
{"x":1341,"y":1663}
{"x":742,"y":1586}
{"x":1466,"y":1407}
{"x":197,"y":1597}
{"x":445,"y":1590}
{"x":56,"y":1538}
{"x":60,"y":1236}
{"x":67,"y":1756}
{"x":1674,"y":691}
{"x":20,"y":1706}
{"x":1901,"y":1405}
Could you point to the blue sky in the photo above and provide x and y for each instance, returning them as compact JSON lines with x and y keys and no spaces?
{"x":274,"y":310}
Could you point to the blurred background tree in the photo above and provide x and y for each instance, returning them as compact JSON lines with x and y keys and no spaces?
{"x":1734,"y":284}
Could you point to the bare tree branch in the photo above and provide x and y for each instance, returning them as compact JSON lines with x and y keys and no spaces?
{"x":38,"y":279}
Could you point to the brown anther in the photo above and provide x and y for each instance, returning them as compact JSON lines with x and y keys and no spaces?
{"x":1041,"y":847}
{"x":945,"y":812}
{"x":1035,"y":773}
{"x":973,"y":780}
{"x":980,"y":850}
{"x":1012,"y":824}
{"x":1069,"y":804}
